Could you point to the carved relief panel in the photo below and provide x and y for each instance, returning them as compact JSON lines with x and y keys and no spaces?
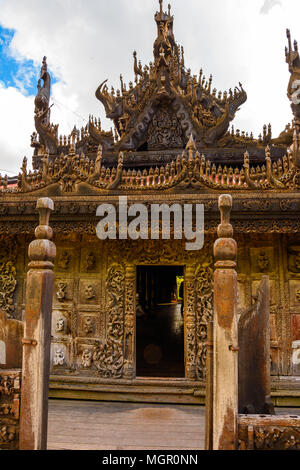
{"x":63,"y":291}
{"x":294,"y":291}
{"x":262,"y":260}
{"x":294,"y":259}
{"x":10,"y":389}
{"x":89,"y":292}
{"x":60,"y":357}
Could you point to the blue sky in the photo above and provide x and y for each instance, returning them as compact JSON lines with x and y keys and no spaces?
{"x":15,"y":72}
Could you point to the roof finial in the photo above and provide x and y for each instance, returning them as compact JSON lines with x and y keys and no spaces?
{"x":161,"y":6}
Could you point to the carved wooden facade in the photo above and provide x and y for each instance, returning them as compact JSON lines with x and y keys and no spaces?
{"x":172,"y":144}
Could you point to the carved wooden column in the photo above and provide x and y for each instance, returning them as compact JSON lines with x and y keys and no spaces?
{"x":225,"y":393}
{"x":129,"y":371}
{"x":190,"y":322}
{"x":37,"y":334}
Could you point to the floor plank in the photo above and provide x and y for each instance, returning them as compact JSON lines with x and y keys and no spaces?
{"x":87,"y":425}
{"x":79,"y":425}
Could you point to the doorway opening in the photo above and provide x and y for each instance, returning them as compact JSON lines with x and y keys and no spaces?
{"x":159,"y":322}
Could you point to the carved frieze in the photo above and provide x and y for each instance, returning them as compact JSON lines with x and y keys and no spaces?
{"x":270,"y":437}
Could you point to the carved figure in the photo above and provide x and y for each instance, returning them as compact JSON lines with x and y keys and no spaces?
{"x":90,"y":262}
{"x":61,"y":292}
{"x":63,"y":261}
{"x":60,"y":325}
{"x":90,"y":292}
{"x":59,"y":357}
{"x":88,"y":325}
{"x":263,"y":261}
{"x":297,"y":261}
{"x":87,"y":358}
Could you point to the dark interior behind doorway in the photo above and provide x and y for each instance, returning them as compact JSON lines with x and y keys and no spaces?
{"x":160,"y":327}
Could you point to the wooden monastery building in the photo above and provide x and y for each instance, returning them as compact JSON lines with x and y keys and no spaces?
{"x":117,"y":328}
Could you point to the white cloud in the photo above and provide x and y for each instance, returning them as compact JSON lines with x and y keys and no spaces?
{"x":268,"y":5}
{"x":87,"y":41}
{"x":16,"y":124}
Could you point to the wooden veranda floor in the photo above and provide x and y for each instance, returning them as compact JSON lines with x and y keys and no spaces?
{"x":82,"y":425}
{"x":88,"y":425}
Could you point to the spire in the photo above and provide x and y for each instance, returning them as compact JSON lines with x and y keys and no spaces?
{"x":165,"y":36}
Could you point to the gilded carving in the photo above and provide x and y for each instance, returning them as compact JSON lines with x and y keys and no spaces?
{"x":165,"y":130}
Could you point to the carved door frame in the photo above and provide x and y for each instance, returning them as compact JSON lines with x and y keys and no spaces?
{"x":126,"y":257}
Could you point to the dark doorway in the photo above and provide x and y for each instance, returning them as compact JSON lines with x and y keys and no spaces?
{"x":159,"y":322}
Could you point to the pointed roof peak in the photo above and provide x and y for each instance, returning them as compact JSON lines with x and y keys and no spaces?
{"x":162,"y":16}
{"x":191,"y":144}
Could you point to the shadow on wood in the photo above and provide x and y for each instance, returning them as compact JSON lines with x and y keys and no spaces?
{"x":254,"y":354}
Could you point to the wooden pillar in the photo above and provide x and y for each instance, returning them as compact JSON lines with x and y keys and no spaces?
{"x":37,"y":334}
{"x":225,"y":384}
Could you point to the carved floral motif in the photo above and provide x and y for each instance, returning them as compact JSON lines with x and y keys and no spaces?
{"x":108,"y":357}
{"x":8,"y":274}
{"x":204,"y":314}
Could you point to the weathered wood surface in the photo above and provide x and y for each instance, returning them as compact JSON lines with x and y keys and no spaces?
{"x":37,"y":334}
{"x":225,"y":339}
{"x":11,"y":334}
{"x":81,"y":425}
{"x":254,"y":354}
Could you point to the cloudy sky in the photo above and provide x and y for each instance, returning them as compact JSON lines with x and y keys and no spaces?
{"x":88,"y":41}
